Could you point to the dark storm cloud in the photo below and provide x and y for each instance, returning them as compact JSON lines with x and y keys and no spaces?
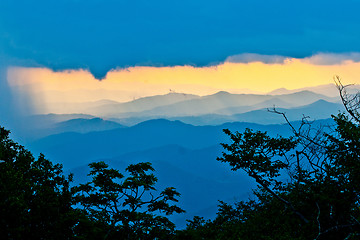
{"x":101,"y":35}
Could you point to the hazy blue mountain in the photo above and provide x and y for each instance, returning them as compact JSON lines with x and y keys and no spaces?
{"x":320,"y":109}
{"x":81,"y":125}
{"x":39,"y":126}
{"x":200,"y":106}
{"x":80,"y":107}
{"x":305,"y":97}
{"x":182,"y":148}
{"x":281,"y":91}
{"x":49,"y":119}
{"x":36,"y":126}
{"x":225,"y":103}
{"x":184,"y":164}
{"x":75,"y":149}
{"x":329,"y":90}
{"x":196,"y":174}
{"x":202,"y":120}
{"x":89,"y":98}
{"x":178,"y":104}
{"x":183,"y":155}
{"x":138,"y":105}
{"x":274,"y":101}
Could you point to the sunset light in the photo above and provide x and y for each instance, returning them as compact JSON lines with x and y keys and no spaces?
{"x":134,"y":82}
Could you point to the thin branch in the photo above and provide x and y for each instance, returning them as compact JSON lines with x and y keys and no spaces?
{"x":273,"y":110}
{"x":351,"y":105}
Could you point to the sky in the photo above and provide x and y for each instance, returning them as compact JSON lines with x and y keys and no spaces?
{"x":195,"y":41}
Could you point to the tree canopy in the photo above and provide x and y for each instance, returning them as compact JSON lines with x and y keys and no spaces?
{"x":35,"y":197}
{"x":308,"y":184}
{"x":37,"y":201}
{"x":126,"y":208}
{"x":308,"y":188}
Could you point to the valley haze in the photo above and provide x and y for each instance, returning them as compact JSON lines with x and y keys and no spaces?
{"x":180,"y":134}
{"x":158,"y":81}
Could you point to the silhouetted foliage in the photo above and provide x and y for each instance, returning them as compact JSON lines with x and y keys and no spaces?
{"x":308,"y":188}
{"x":308,"y":184}
{"x":128,"y":206}
{"x":35,"y":199}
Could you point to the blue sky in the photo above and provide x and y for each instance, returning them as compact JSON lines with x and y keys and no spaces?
{"x":102,"y":35}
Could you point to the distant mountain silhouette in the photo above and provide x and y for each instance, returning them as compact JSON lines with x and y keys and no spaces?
{"x":329,"y":90}
{"x":179,"y":134}
{"x":178,"y":104}
{"x":49,"y":124}
{"x":265,"y":104}
{"x":78,"y":107}
{"x":140,"y":104}
{"x":320,"y":109}
{"x":55,"y":118}
{"x":75,"y":149}
{"x":81,"y":125}
{"x":183,"y":155}
{"x":196,"y":174}
{"x":281,"y":91}
{"x":225,"y":103}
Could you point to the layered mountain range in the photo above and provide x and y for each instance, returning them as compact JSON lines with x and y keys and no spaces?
{"x":179,"y":134}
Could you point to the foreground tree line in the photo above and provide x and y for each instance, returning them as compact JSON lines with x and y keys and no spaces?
{"x":308,"y":188}
{"x":37,"y":202}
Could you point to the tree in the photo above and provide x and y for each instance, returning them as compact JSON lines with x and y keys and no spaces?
{"x":36,"y":201}
{"x":322,"y":191}
{"x":308,"y":184}
{"x":126,"y":208}
{"x":35,"y":198}
{"x":350,"y":101}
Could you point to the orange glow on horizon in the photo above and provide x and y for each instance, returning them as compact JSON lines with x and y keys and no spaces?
{"x":134,"y":82}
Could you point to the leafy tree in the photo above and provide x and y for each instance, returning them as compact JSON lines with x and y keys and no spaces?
{"x":35,"y":198}
{"x":126,"y":207}
{"x":308,"y":184}
{"x":36,"y":201}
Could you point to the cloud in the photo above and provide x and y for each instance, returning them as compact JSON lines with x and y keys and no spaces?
{"x":103,"y":35}
{"x":253,"y":57}
{"x":332,"y":58}
{"x":316,"y":59}
{"x":259,"y":73}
